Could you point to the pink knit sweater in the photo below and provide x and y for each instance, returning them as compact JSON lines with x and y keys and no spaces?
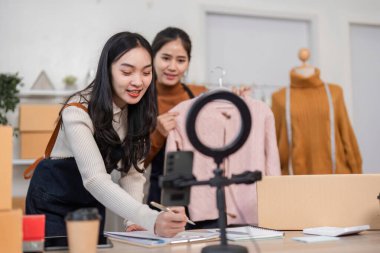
{"x":217,"y":125}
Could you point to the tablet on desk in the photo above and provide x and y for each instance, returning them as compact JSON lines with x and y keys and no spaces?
{"x":53,"y":243}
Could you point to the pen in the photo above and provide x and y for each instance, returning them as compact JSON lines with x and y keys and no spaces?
{"x":167,"y":209}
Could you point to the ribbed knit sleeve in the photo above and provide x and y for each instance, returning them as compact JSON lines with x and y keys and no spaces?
{"x":350,"y":145}
{"x":272,"y":160}
{"x":78,"y":130}
{"x":278,"y":108}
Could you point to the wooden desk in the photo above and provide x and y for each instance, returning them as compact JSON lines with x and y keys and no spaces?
{"x":368,"y":241}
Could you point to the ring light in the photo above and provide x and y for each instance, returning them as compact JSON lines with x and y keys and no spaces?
{"x":219,"y":153}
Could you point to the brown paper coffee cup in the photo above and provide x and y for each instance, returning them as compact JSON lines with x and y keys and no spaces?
{"x":83,"y":230}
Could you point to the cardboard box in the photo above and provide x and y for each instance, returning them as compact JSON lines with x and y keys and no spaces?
{"x":11,"y":231}
{"x":6,"y":167}
{"x":298,"y":202}
{"x":19,"y":203}
{"x":33,"y":144}
{"x":37,"y":123}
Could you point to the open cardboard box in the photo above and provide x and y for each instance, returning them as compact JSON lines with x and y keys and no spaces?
{"x":298,"y":202}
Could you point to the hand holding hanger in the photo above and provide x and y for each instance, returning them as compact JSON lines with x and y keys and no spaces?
{"x":166,"y":122}
{"x":243,"y":91}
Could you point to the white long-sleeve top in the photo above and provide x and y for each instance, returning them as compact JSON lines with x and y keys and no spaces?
{"x":76,"y":139}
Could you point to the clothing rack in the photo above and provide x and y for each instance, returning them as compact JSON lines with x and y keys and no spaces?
{"x":261,"y":92}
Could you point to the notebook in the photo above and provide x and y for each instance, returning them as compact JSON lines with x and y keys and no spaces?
{"x":250,"y":232}
{"x":147,"y":239}
{"x":316,"y":238}
{"x":335,"y":231}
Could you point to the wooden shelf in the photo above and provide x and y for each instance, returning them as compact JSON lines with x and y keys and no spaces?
{"x":23,"y":161}
{"x":45,"y":93}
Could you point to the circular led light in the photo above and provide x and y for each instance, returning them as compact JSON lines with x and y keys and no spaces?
{"x":219,"y":153}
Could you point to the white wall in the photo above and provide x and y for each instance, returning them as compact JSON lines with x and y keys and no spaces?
{"x":267,"y":47}
{"x":365,"y":58}
{"x":65,"y":37}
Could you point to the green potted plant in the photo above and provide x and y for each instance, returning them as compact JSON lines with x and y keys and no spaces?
{"x":8,"y":95}
{"x":70,"y":82}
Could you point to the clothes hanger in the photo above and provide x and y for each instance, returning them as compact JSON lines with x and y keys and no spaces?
{"x":220,"y":79}
{"x":305,"y":69}
{"x":223,"y":104}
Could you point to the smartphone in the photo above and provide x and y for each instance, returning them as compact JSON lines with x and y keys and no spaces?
{"x":177,"y":164}
{"x":53,"y":243}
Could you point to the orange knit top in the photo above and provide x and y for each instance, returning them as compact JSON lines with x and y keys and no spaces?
{"x":167,"y":98}
{"x":309,"y":110}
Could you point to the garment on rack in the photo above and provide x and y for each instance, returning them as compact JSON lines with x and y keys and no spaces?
{"x":311,"y":147}
{"x":167,"y":98}
{"x":217,"y":124}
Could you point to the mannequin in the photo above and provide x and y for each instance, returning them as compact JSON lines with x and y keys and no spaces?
{"x":305,"y":69}
{"x":313,"y":130}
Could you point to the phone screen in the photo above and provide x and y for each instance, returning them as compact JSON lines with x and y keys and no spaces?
{"x":177,"y":164}
{"x":60,"y":243}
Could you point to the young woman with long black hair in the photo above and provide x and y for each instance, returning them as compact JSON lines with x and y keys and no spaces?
{"x":104,"y":127}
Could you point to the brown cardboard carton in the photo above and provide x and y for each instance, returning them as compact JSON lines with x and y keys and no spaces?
{"x":37,"y":123}
{"x":11,"y":231}
{"x":19,"y":203}
{"x":33,"y":144}
{"x":6,"y":168}
{"x":298,"y":202}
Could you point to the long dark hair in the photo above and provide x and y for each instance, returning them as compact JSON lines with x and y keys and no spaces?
{"x":141,"y":119}
{"x":169,"y":34}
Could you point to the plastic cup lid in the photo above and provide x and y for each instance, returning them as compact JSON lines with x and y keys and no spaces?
{"x":84,"y":214}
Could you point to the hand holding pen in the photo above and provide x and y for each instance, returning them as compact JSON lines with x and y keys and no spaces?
{"x":171,"y":221}
{"x":167,"y":209}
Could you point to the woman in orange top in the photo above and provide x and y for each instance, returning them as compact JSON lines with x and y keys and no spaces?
{"x":172,"y":53}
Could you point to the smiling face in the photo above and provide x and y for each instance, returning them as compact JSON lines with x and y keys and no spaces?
{"x":171,"y":62}
{"x":131,"y":76}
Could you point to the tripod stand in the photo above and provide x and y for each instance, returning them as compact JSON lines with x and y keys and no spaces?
{"x":219,"y":181}
{"x":219,"y":154}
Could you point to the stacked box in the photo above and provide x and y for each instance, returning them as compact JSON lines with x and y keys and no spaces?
{"x":10,"y":220}
{"x":11,"y":231}
{"x":18,"y":202}
{"x":37,"y":123}
{"x":6,"y":148}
